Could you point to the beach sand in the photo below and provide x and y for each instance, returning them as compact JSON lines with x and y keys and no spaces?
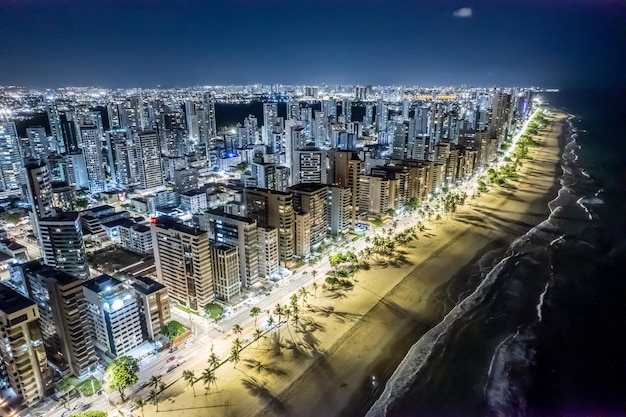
{"x":345,"y":338}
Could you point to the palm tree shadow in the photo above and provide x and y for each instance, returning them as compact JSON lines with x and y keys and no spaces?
{"x":269,"y":368}
{"x":259,"y":390}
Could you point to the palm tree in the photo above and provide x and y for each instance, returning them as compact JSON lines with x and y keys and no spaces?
{"x":237,"y":329}
{"x":254,"y":312}
{"x":214,"y":360}
{"x":257,"y":335}
{"x":190,"y":377}
{"x":208,"y":377}
{"x":154,"y":393}
{"x":315,"y":287}
{"x":140,"y":404}
{"x":314,"y":273}
{"x":303,"y":294}
{"x":235,"y":355}
{"x":237,"y":344}
{"x":270,"y":322}
{"x":294,"y":300}
{"x":158,"y":386}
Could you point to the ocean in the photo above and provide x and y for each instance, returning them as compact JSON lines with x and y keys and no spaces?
{"x":544,"y":332}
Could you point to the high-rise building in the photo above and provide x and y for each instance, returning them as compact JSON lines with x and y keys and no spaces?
{"x":273,"y":209}
{"x":126,"y":157}
{"x":268,"y":251}
{"x":38,"y":145}
{"x":22,"y":349}
{"x":192,"y":121}
{"x":183,"y":262}
{"x":61,"y":303}
{"x":225,"y":264}
{"x":270,"y":119}
{"x":313,"y":199}
{"x":236,"y":231}
{"x":150,"y":170}
{"x":309,"y":166}
{"x":340,"y":209}
{"x":39,"y":187}
{"x":382,"y":114}
{"x":62,"y":244}
{"x":209,"y":106}
{"x":302,"y":246}
{"x":91,"y":135}
{"x":154,"y":306}
{"x":114,"y":316}
{"x":10,"y":158}
{"x":54,"y":118}
{"x":401,"y":141}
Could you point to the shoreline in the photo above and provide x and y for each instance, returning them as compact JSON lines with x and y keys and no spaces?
{"x":406,"y":334}
{"x":328,"y":369}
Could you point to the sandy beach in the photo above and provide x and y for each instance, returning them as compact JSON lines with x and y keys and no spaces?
{"x":323,"y":364}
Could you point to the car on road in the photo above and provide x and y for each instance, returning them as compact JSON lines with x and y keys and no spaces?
{"x":170,"y":359}
{"x":172,"y":367}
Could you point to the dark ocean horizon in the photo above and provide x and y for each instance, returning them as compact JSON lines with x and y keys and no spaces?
{"x":554,"y":341}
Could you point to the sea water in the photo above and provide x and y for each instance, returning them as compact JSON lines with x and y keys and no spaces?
{"x":544,"y":333}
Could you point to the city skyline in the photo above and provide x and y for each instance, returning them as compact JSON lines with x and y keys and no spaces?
{"x":159,"y":43}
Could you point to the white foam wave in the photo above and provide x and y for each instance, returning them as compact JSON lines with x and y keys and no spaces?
{"x":503,"y":393}
{"x":581,"y":203}
{"x":541,"y":298}
{"x":557,"y":240}
{"x":408,"y":370}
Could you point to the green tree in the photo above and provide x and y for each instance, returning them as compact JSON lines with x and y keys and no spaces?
{"x":213,"y":310}
{"x":237,"y":329}
{"x":254,"y":312}
{"x":121,"y":374}
{"x":64,"y":390}
{"x":81,"y":203}
{"x":190,"y":377}
{"x":172,"y":329}
{"x":391,"y":212}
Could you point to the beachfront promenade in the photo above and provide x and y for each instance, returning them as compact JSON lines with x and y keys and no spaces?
{"x":321,"y":364}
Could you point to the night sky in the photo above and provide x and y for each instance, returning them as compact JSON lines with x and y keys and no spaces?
{"x":145,"y":43}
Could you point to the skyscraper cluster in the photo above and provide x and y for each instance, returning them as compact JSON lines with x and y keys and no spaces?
{"x":222,"y":209}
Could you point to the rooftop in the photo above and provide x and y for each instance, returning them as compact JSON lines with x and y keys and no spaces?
{"x":146,"y":285}
{"x":102,"y":283}
{"x":307,"y":187}
{"x":11,"y":301}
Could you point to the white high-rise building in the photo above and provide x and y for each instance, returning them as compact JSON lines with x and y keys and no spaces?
{"x":114,"y":316}
{"x":150,"y":169}
{"x":270,"y":119}
{"x":91,"y":136}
